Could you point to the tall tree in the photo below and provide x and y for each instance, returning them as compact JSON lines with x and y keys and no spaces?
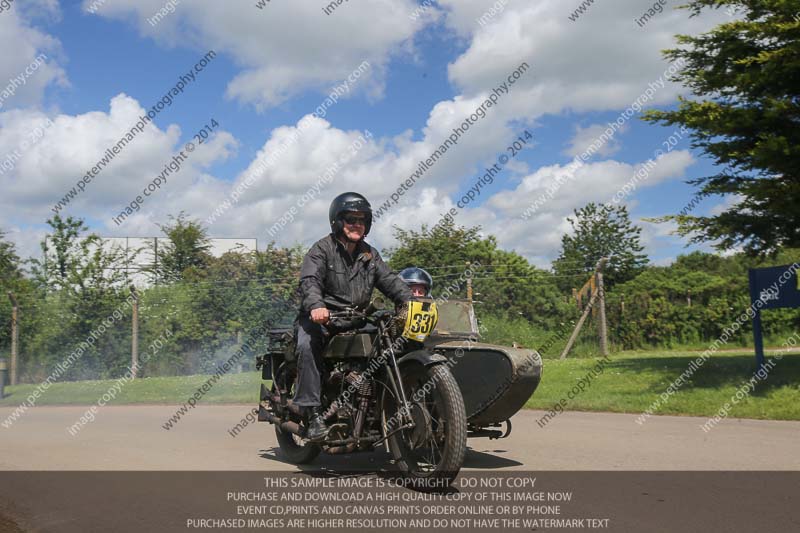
{"x":185,"y":254}
{"x":75,"y":260}
{"x":597,"y":232}
{"x":84,"y":283}
{"x":745,"y":79}
{"x":9,"y":261}
{"x":10,"y":278}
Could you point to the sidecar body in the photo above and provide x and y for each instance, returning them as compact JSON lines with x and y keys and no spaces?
{"x":495,"y":381}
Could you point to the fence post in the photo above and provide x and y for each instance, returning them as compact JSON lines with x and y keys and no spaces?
{"x":469,"y":282}
{"x":603,"y":326}
{"x":14,"y":337}
{"x":135,"y":334}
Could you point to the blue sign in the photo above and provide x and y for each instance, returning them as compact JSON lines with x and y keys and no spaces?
{"x":772,"y":288}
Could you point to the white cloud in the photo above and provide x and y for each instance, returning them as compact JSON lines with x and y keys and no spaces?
{"x":288,"y":46}
{"x":22,"y":44}
{"x":602,"y":62}
{"x":49,"y":167}
{"x":584,"y":137}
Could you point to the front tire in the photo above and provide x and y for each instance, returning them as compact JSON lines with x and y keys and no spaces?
{"x":297,"y":450}
{"x":432,"y":453}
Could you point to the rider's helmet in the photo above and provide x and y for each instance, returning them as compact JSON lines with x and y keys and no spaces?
{"x":349,"y":202}
{"x":418,"y":280}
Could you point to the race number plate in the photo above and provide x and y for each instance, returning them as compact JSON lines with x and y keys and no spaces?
{"x":420,"y":321}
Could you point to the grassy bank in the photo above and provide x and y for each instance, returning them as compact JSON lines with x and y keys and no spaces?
{"x":631,"y":382}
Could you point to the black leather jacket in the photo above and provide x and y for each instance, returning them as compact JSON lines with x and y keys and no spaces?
{"x":330,"y":277}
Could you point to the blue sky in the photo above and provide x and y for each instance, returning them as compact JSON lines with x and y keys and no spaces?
{"x":274,"y":67}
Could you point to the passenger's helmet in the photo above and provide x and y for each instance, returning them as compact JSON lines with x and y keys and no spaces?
{"x":417,"y":276}
{"x":352,"y":202}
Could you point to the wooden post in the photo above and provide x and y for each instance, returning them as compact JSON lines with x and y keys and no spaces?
{"x":602,"y":326}
{"x":239,"y":347}
{"x":155,"y":260}
{"x":469,"y":282}
{"x":578,"y":327}
{"x":135,"y":334}
{"x":596,"y":289}
{"x":14,"y":336}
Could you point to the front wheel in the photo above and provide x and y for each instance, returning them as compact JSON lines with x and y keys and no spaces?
{"x":432,"y":452}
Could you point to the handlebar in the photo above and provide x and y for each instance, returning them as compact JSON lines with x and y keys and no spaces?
{"x":354,"y":313}
{"x":347,"y":313}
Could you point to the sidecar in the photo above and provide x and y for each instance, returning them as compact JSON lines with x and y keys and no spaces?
{"x":495,"y":381}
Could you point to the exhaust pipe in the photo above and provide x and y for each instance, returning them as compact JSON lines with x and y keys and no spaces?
{"x":275,"y":399}
{"x":288,"y":427}
{"x":335,"y":450}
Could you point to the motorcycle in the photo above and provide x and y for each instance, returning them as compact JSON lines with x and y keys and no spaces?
{"x":380,"y":387}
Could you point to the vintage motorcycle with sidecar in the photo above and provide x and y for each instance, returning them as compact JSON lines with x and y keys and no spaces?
{"x":415,"y":381}
{"x":379,"y":385}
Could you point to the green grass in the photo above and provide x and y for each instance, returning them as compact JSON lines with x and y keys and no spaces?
{"x":231,"y":388}
{"x":629,"y":383}
{"x":632,"y":381}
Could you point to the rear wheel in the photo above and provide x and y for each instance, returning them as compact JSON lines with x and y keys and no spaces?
{"x":296,"y":449}
{"x":434,"y":449}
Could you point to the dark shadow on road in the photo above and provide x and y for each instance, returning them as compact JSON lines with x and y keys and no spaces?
{"x":476,"y":459}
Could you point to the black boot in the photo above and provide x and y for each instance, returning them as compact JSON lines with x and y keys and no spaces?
{"x":317,"y":430}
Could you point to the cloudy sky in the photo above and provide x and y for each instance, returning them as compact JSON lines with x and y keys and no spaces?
{"x":404,"y":74}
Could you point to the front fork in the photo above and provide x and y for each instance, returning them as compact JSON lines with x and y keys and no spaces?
{"x":396,"y":381}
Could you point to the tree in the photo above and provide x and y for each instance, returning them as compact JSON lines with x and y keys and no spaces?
{"x":505,"y":283}
{"x":599,"y":231}
{"x":10,"y":280}
{"x":185,"y":253}
{"x":75,"y":261}
{"x":80,"y":285}
{"x":745,"y":79}
{"x":9,"y":261}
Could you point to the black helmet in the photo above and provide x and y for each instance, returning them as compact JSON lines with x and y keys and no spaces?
{"x":417,"y":276}
{"x":349,"y":201}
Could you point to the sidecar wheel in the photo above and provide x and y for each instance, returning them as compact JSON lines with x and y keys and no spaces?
{"x":432,"y":453}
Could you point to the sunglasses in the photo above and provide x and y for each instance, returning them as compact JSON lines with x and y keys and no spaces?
{"x":352,"y":220}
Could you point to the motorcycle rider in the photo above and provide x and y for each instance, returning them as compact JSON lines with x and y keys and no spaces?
{"x":418,"y":280}
{"x":339,"y":271}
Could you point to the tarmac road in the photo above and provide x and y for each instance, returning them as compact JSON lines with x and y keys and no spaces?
{"x":666,"y":475}
{"x":132,"y":438}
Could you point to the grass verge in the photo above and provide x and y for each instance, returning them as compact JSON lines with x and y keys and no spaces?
{"x":630,"y":383}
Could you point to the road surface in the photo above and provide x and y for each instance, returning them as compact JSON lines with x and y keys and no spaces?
{"x":133,"y":438}
{"x":652,"y":477}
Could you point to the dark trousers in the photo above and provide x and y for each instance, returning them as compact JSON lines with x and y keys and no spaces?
{"x":311,"y":340}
